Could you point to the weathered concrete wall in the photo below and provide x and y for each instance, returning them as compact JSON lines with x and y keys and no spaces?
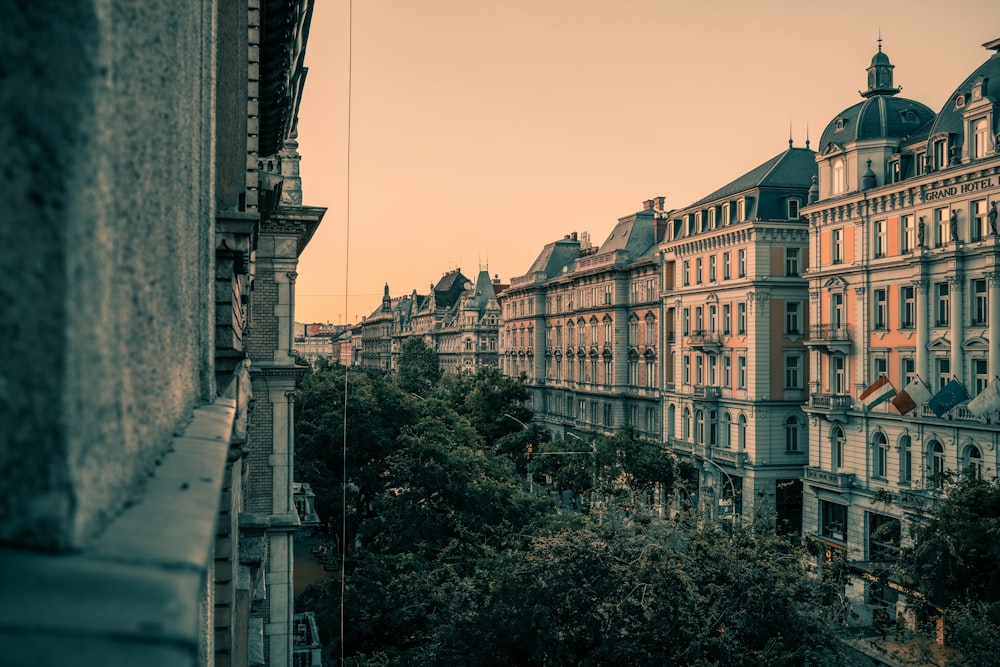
{"x":106,"y":242}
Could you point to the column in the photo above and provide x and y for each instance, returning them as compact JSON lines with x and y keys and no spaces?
{"x":994,"y":335}
{"x":957,"y":296}
{"x":923,"y":316}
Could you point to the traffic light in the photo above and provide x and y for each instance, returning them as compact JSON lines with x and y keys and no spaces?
{"x":530,"y":451}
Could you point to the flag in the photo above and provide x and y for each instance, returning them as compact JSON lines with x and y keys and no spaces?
{"x":987,"y":400}
{"x":912,"y":395}
{"x":951,"y":395}
{"x":880,"y":391}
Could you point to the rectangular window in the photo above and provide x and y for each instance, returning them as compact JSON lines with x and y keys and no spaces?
{"x":793,"y":371}
{"x":711,"y":269}
{"x":741,"y":319}
{"x":792,"y":317}
{"x":727,"y":371}
{"x":836,"y":246}
{"x":833,"y":520}
{"x":650,"y":373}
{"x":687,"y":272}
{"x":942,"y":367}
{"x":837,"y":309}
{"x":940,"y":153}
{"x":741,"y":263}
{"x":980,"y":138}
{"x":792,"y":261}
{"x":608,"y":373}
{"x":699,"y":369}
{"x":880,"y":242}
{"x":793,"y":209}
{"x":633,"y":373}
{"x":942,"y":307}
{"x":907,"y":369}
{"x":940,"y":226}
{"x":838,"y":378}
{"x":980,"y":375}
{"x":741,"y":371}
{"x":879,"y":308}
{"x":687,"y":321}
{"x":697,"y":271}
{"x":977,"y":220}
{"x":906,"y":233}
{"x":726,"y":265}
{"x":907,"y":307}
{"x":712,"y":312}
{"x":609,"y":419}
{"x":980,"y":301}
{"x":686,"y":369}
{"x":880,"y":366}
{"x":727,"y":319}
{"x":713,"y":370}
{"x":699,"y":319}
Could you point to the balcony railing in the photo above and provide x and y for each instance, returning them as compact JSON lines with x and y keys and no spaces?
{"x":701,"y":338}
{"x":681,"y":445}
{"x":830,"y":337}
{"x":834,"y":402}
{"x":833,"y":480}
{"x":729,"y":456}
{"x":707,"y":391}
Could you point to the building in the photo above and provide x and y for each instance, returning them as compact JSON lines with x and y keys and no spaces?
{"x":144,"y":514}
{"x":457,"y":318}
{"x":583,"y":328}
{"x":905,"y":295}
{"x":322,"y":341}
{"x":736,"y":309}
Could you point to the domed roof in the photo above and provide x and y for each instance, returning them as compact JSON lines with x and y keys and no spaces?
{"x":881,"y":115}
{"x":878,"y":117}
{"x":985,"y":79}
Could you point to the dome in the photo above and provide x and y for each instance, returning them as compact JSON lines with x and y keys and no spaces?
{"x":878,"y":117}
{"x":984,"y":82}
{"x":882,"y":115}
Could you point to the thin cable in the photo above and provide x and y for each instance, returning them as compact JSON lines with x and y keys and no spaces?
{"x":347,"y":274}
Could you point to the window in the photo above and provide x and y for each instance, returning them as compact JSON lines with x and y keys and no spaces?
{"x":581,"y":334}
{"x":741,"y":263}
{"x":836,"y":246}
{"x":687,"y":321}
{"x":980,"y":375}
{"x":939,"y":151}
{"x":942,"y":367}
{"x":726,"y":268}
{"x":608,"y":373}
{"x":977,"y":220}
{"x":712,"y":315}
{"x":905,"y":460}
{"x":791,"y":261}
{"x":920,"y":162}
{"x":980,"y":301}
{"x":697,"y":271}
{"x":741,"y":319}
{"x":880,"y":455}
{"x":935,"y":465}
{"x":607,"y":294}
{"x":711,"y":269}
{"x":880,"y":246}
{"x":972,"y":462}
{"x":908,"y":369}
{"x":837,"y":309}
{"x":699,"y":319}
{"x":741,"y":433}
{"x":727,"y":371}
{"x":699,"y":369}
{"x":713,"y":370}
{"x":838,"y":380}
{"x":686,"y":369}
{"x":711,"y":218}
{"x":741,"y":371}
{"x":792,"y":434}
{"x":608,"y":333}
{"x":792,"y":324}
{"x":793,"y":209}
{"x":941,"y":219}
{"x":839,"y":176}
{"x":793,"y":370}
{"x":633,"y":372}
{"x":906,"y":233}
{"x":593,"y":332}
{"x":894,"y":171}
{"x":609,"y":418}
{"x":741,"y":205}
{"x":725,"y":434}
{"x":650,"y":372}
{"x":687,"y":272}
{"x":726,"y":218}
{"x":650,"y":331}
{"x":879,"y":307}
{"x":698,"y":222}
{"x":883,"y":537}
{"x":837,"y":444}
{"x":727,"y":319}
{"x":880,"y":365}
{"x":833,"y":520}
{"x":942,"y":306}
{"x":980,"y":138}
{"x":686,"y":424}
{"x":907,"y":307}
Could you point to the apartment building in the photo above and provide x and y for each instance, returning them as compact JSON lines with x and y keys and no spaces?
{"x":736,"y":307}
{"x":584,"y":328}
{"x":905,"y":300}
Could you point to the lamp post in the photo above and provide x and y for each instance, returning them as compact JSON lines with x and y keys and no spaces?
{"x":725,"y":476}
{"x":593,"y":464}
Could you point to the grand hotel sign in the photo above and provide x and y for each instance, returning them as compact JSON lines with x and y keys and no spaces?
{"x":977,"y":185}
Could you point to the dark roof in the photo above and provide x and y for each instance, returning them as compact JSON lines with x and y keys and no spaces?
{"x":879,"y":116}
{"x":785,"y":169}
{"x":555,"y":256}
{"x":950,"y":117}
{"x":634,"y":233}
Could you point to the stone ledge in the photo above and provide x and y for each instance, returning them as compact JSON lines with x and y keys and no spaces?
{"x":135,"y":595}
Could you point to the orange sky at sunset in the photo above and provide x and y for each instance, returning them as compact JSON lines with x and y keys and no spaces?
{"x":483,"y":129}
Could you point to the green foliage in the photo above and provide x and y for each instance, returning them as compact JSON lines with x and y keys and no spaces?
{"x":417,"y":368}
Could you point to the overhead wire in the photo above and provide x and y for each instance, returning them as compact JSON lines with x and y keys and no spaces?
{"x":347,"y":273}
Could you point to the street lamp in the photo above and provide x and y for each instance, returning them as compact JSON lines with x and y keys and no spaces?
{"x":593,"y":465}
{"x":529,"y":466}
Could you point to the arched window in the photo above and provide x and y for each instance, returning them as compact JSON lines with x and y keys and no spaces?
{"x":972,"y":462}
{"x":792,"y":434}
{"x":686,"y":426}
{"x":880,"y":455}
{"x":741,"y":433}
{"x":671,"y":421}
{"x":936,"y":465}
{"x":838,"y":442}
{"x":699,"y":428}
{"x":905,"y":460}
{"x":839,"y":175}
{"x":725,"y":436}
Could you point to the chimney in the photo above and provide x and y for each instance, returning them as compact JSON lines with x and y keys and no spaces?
{"x":661,"y":201}
{"x":573,"y":236}
{"x":647,"y":205}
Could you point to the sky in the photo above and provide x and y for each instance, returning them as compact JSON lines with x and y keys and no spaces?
{"x":444,"y":134}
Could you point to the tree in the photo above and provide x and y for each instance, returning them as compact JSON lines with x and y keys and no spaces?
{"x":418,"y":370}
{"x":488,"y":399}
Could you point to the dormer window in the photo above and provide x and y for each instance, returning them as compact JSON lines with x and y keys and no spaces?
{"x":980,"y":138}
{"x":840,"y":124}
{"x":959,"y":101}
{"x":793,"y":209}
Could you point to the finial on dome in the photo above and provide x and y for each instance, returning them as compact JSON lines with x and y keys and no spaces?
{"x":789,"y":132}
{"x":807,"y":134}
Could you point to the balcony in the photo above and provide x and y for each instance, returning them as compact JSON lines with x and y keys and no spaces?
{"x":681,"y":445}
{"x":727,"y":456}
{"x":706,"y":341}
{"x":836,"y":481}
{"x":706,"y":392}
{"x":830,"y":405}
{"x":829,"y":338}
{"x":919,"y":501}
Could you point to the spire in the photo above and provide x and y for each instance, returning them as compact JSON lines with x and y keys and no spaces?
{"x":807,"y":135}
{"x":880,"y":74}
{"x":789,"y":132}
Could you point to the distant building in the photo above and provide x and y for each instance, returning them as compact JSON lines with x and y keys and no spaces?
{"x":457,"y":318}
{"x":321,"y":341}
{"x":905,"y":295}
{"x":583,"y":327}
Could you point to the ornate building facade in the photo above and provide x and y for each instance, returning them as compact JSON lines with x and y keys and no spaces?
{"x":905,"y":295}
